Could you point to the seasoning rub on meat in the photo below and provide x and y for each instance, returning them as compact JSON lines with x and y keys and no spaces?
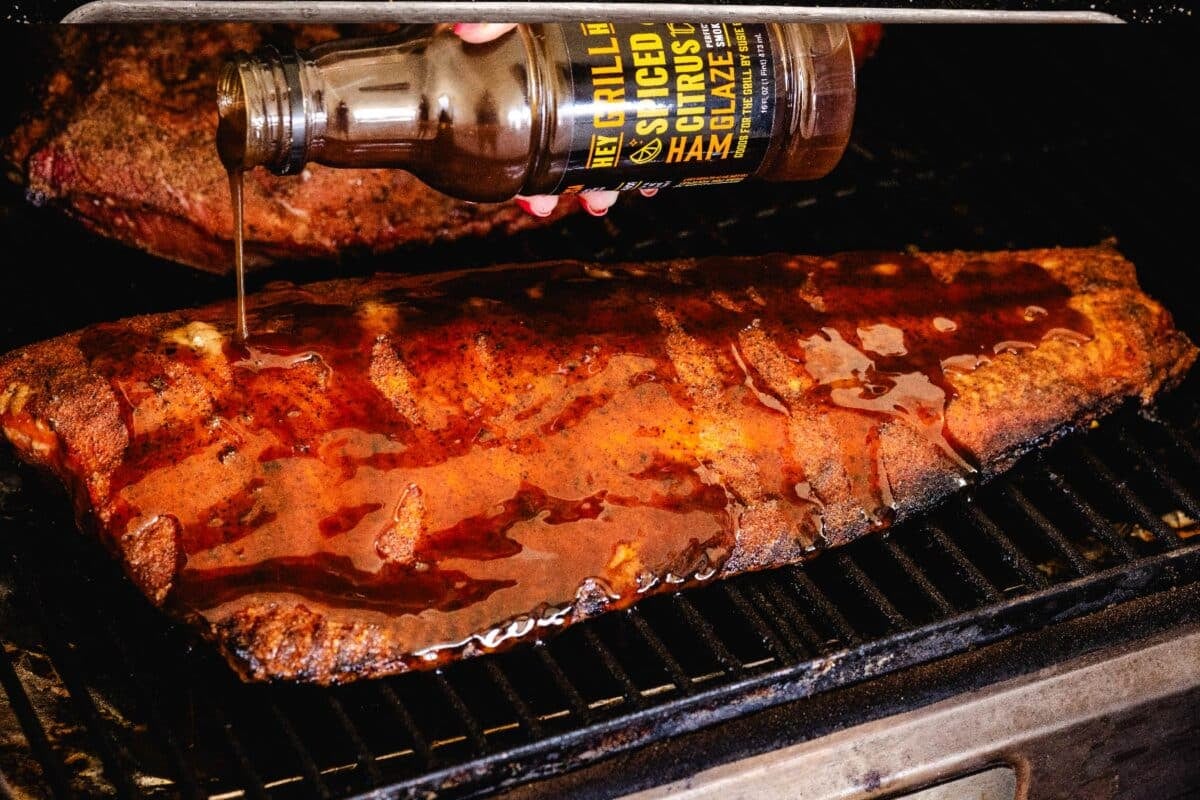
{"x":402,"y":470}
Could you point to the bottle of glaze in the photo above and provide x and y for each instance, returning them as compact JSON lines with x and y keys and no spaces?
{"x":554,"y":108}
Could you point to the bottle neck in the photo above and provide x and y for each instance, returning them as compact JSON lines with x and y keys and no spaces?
{"x":263,"y":119}
{"x":344,"y":106}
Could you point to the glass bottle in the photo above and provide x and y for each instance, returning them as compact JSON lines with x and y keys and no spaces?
{"x":551,"y":108}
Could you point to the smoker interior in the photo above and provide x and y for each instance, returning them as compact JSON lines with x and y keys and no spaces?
{"x":967,"y":138}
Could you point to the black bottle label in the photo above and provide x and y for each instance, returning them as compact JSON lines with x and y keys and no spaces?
{"x":668,"y":104}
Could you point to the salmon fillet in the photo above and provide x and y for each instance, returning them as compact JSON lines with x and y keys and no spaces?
{"x":397,"y":471}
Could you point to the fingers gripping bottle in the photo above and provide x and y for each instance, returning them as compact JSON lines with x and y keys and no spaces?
{"x":554,"y":108}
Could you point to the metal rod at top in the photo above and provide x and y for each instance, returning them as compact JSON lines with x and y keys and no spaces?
{"x":347,"y":11}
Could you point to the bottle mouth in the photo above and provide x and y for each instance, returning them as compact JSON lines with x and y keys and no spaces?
{"x":261,"y":116}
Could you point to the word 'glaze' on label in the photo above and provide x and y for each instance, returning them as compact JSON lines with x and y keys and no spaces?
{"x":668,"y":104}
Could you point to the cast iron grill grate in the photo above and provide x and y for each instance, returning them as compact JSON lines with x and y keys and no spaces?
{"x":107,"y":698}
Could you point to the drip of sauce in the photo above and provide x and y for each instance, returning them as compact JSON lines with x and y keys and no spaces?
{"x":236,"y":184}
{"x":446,"y":455}
{"x":231,"y":148}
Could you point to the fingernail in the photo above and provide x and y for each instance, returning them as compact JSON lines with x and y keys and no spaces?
{"x":598,"y":203}
{"x":480,"y":32}
{"x":472,"y":32}
{"x":538,"y":205}
{"x":595,"y":211}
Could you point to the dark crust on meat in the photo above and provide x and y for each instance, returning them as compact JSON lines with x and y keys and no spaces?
{"x":59,"y":414}
{"x":123,"y":140}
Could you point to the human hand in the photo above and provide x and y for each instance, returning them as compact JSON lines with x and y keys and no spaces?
{"x":539,"y":205}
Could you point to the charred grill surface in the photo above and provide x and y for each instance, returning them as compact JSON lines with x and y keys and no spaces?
{"x":398,"y":471}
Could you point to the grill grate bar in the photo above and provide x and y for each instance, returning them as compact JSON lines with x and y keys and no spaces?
{"x":364,"y":758}
{"x":794,"y":617}
{"x":678,"y":676}
{"x":574,"y":699}
{"x":71,"y":673}
{"x":475,"y":733}
{"x":308,"y":766}
{"x":1017,"y":498}
{"x":186,"y":774}
{"x":420,"y":744}
{"x":775,"y":621}
{"x":917,"y":576}
{"x":768,"y":637}
{"x":629,"y":690}
{"x":53,"y":769}
{"x":519,"y":707}
{"x":1180,"y":440}
{"x":1121,"y":489}
{"x":254,"y":786}
{"x":1010,"y":552}
{"x":977,"y":580}
{"x":869,"y":589}
{"x":707,"y":635}
{"x":1181,"y":494}
{"x":804,"y":585}
{"x":1101,"y":528}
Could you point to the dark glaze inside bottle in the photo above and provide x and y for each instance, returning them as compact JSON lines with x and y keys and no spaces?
{"x":465,"y":458}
